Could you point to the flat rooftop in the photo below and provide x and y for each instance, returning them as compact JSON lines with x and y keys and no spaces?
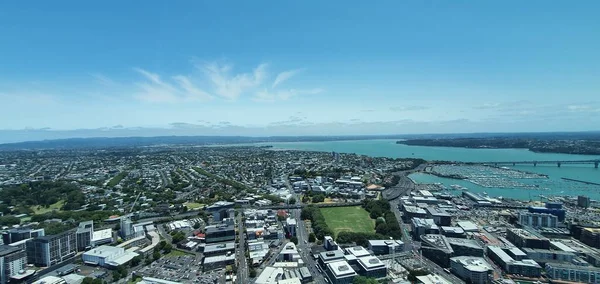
{"x":473,"y":264}
{"x":468,"y":226}
{"x":358,"y":251}
{"x":465,"y":242}
{"x":371,"y":262}
{"x":437,"y":241}
{"x":105,"y":251}
{"x":102,"y":235}
{"x":341,"y":269}
{"x":526,"y":234}
{"x":385,"y":243}
{"x":331,"y":255}
{"x":219,"y":247}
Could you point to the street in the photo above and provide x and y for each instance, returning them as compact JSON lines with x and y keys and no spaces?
{"x":242,"y":275}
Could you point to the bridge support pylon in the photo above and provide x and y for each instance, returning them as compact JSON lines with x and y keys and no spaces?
{"x":596,"y":164}
{"x":514,"y":164}
{"x":535,"y":164}
{"x":558,"y":164}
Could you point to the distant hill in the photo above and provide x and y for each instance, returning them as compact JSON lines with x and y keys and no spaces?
{"x":109,"y":142}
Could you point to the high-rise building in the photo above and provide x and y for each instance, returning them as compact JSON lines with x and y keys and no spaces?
{"x":15,"y":235}
{"x":12,"y":260}
{"x":52,"y":249}
{"x":538,"y":220}
{"x":84,"y":233}
{"x":583,"y":201}
{"x":126,"y":230}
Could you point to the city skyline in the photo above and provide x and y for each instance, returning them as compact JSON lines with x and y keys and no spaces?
{"x":257,"y":69}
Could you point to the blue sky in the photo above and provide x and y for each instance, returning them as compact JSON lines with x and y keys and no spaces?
{"x":298,"y":67}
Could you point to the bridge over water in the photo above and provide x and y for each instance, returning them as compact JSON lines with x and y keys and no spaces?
{"x":535,"y":163}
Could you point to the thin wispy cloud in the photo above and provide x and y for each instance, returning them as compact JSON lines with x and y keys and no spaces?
{"x":104,"y":80}
{"x":284,"y":76}
{"x":156,"y":90}
{"x":231,"y":86}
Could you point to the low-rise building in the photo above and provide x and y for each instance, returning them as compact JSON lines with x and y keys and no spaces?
{"x":371,"y":266}
{"x":422,"y":227}
{"x":525,"y":267}
{"x":219,"y":249}
{"x":108,"y":256}
{"x":379,"y":247}
{"x":571,"y":272}
{"x":340,"y":272}
{"x":472,"y":269}
{"x":52,"y":249}
{"x":219,"y":233}
{"x":527,"y":239}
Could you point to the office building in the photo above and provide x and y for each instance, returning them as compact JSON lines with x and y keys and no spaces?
{"x":340,"y":272}
{"x":439,"y":216}
{"x":466,"y":247}
{"x":16,"y":235}
{"x":108,"y":256}
{"x":329,"y":244}
{"x":102,"y":237}
{"x":525,"y":267}
{"x":371,"y":266}
{"x":53,"y":249}
{"x":527,"y":239}
{"x":573,"y":273}
{"x":220,"y":209}
{"x":468,"y":226}
{"x":543,"y":256}
{"x":452,"y":232}
{"x":50,"y":280}
{"x":379,"y":247}
{"x":219,"y":233}
{"x":410,"y":212}
{"x":219,"y":249}
{"x":330,"y":256}
{"x":289,"y":253}
{"x":291,"y":227}
{"x":583,"y":201}
{"x":12,"y":261}
{"x":432,"y":279}
{"x":538,"y":220}
{"x":126,"y":230}
{"x":551,"y":208}
{"x":217,"y":261}
{"x":437,"y":249}
{"x":357,"y":251}
{"x":591,"y":237}
{"x":471,"y":269}
{"x":422,"y":227}
{"x":84,"y":234}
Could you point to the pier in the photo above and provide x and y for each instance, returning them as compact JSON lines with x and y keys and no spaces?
{"x":580,"y":181}
{"x":535,"y":163}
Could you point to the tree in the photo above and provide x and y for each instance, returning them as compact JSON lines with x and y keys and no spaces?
{"x":312,"y":237}
{"x":294,"y":240}
{"x":167,"y":248}
{"x":116,"y":275}
{"x":305,"y":199}
{"x":252,"y":273}
{"x":136,"y":261}
{"x":292,"y":201}
{"x":197,"y":225}
{"x":156,"y":255}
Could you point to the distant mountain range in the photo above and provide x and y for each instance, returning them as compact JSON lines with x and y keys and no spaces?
{"x":108,"y":142}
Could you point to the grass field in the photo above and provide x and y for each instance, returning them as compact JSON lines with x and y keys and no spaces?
{"x":176,"y":253}
{"x":52,"y":207}
{"x":349,"y":219}
{"x":193,"y":205}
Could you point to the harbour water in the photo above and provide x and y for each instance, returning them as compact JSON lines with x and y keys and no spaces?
{"x":551,"y":186}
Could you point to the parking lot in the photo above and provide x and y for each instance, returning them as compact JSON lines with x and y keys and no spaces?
{"x":185,"y":268}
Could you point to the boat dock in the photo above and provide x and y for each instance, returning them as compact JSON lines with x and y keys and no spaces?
{"x":581,"y":181}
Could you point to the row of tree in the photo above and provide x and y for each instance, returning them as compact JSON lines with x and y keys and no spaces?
{"x":386,"y":223}
{"x":317,"y":220}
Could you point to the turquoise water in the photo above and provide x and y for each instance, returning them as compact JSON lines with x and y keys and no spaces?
{"x":555,"y":185}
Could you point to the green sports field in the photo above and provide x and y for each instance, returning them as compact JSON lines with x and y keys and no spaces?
{"x":349,"y":219}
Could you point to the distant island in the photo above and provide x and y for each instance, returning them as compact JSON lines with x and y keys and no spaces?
{"x":546,"y":145}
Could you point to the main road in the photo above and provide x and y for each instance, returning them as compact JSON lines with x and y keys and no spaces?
{"x":240,"y":252}
{"x":304,"y":247}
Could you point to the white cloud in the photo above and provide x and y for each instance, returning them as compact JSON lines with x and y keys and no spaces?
{"x":156,"y":90}
{"x":104,"y":80}
{"x":284,"y":76}
{"x":230,"y":86}
{"x":408,"y":108}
